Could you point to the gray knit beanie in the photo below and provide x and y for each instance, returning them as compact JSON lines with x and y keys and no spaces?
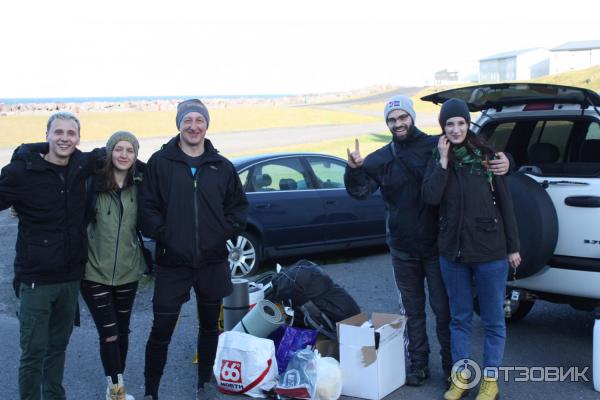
{"x":399,"y":102}
{"x":188,"y":106}
{"x":121,"y":136}
{"x":454,"y":108}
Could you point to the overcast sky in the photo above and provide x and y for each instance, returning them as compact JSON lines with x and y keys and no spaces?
{"x":63,"y":48}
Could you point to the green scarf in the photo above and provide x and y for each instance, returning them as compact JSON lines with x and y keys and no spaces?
{"x":464,"y":159}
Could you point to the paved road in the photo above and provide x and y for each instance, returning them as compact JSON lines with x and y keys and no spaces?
{"x":552,"y":335}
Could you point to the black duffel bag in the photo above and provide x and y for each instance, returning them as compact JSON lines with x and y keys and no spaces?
{"x":314,"y":296}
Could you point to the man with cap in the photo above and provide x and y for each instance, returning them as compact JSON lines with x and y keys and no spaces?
{"x":48,"y":194}
{"x":192,"y":202}
{"x":397,"y":169}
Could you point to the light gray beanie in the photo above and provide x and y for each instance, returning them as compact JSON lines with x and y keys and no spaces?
{"x":188,"y":106}
{"x":399,"y":102}
{"x":121,"y":136}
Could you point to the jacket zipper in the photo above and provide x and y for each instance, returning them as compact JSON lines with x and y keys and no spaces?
{"x":118,"y":235}
{"x":197,"y":238}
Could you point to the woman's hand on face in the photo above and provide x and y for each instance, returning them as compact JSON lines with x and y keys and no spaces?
{"x":514,"y":259}
{"x":443,"y":147}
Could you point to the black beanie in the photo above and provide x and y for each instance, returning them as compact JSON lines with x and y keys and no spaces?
{"x":454,"y":108}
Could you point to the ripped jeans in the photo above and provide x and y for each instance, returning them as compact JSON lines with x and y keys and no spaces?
{"x":111,"y":307}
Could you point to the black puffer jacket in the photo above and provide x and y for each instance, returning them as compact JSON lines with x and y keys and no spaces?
{"x":191,"y":217}
{"x":51,"y":241}
{"x":397,"y":169}
{"x":476,"y":225}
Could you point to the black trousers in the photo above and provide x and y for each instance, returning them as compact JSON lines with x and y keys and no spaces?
{"x":172,"y":289}
{"x":111,"y":307}
{"x":411,"y":276}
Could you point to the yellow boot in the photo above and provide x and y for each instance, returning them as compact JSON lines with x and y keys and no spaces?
{"x":458,"y":387}
{"x":488,"y":390}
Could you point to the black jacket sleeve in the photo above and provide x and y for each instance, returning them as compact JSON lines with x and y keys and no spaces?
{"x":39,"y":147}
{"x":235,"y":207}
{"x":507,"y":211}
{"x":434,"y":183}
{"x":358,"y":183}
{"x":8,"y":186}
{"x":151,"y":221}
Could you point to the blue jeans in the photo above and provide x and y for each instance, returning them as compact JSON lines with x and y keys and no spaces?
{"x":490,"y":284}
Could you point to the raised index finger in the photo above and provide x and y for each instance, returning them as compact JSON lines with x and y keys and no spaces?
{"x":356,"y":146}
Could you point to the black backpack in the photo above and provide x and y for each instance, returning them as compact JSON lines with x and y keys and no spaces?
{"x":313,"y":294}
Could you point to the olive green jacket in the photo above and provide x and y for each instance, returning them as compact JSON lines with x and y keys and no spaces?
{"x":114,"y":252}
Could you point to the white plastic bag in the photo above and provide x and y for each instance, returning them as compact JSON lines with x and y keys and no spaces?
{"x":329,"y":379}
{"x":245,"y":364}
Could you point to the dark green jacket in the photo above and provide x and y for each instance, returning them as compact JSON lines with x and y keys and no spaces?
{"x":114,"y":252}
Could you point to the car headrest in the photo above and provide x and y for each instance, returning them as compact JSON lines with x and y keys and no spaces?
{"x":590,"y":151}
{"x":263,"y":180}
{"x":287,"y":184}
{"x":543,"y":153}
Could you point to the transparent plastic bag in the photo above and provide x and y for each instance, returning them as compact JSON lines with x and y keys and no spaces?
{"x":300,"y":378}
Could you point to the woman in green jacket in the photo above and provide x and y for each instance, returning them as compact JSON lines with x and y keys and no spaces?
{"x":115,"y":261}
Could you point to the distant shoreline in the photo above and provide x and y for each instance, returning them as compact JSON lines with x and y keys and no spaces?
{"x":29,"y":106}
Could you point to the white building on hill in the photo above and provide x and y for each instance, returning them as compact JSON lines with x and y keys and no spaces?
{"x":515,"y":65}
{"x":575,"y":55}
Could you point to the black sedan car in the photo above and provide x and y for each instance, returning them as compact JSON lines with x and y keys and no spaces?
{"x":298,"y":205}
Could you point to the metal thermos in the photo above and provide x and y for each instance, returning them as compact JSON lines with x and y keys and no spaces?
{"x":236,"y":305}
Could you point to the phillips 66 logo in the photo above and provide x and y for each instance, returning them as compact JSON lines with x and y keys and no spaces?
{"x":231,"y":371}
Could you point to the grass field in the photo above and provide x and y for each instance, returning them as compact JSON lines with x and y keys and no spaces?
{"x":337,"y":147}
{"x":97,"y":126}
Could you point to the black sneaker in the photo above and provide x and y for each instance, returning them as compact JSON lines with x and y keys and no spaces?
{"x":417,"y":375}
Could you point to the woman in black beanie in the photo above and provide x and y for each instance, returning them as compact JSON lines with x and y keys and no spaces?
{"x":477,"y":240}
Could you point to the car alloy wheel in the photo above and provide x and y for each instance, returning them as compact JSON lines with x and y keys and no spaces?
{"x":243,"y":258}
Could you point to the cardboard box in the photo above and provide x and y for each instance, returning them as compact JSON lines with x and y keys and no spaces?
{"x":372,"y":357}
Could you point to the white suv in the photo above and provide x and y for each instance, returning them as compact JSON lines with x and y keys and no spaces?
{"x":553,"y":135}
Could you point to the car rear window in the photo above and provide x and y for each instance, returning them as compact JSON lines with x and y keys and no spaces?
{"x":561,"y":147}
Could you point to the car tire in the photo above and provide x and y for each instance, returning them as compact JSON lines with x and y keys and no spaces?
{"x":244,"y":255}
{"x":537,"y":222}
{"x":518,"y":310}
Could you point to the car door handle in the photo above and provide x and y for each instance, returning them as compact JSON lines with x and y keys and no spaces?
{"x":330,"y":201}
{"x":583,"y":201}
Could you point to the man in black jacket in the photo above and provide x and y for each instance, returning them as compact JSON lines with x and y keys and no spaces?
{"x":397,"y":169}
{"x":48,"y":194}
{"x":192,"y":202}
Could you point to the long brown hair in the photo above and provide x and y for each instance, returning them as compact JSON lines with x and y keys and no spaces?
{"x":107,"y":181}
{"x":473,"y":142}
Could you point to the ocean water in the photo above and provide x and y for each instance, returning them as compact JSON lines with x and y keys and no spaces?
{"x":132,"y":98}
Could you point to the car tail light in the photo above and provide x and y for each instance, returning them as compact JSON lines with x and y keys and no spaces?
{"x":539,"y":106}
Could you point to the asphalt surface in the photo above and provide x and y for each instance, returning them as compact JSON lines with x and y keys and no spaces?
{"x":551,"y":335}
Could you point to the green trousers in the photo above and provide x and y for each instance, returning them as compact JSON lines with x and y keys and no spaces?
{"x":46,"y":316}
